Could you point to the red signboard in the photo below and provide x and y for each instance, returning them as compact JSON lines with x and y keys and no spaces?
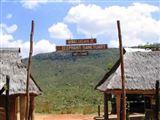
{"x":82,"y":47}
{"x":81,"y":41}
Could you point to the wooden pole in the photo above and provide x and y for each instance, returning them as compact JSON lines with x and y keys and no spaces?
{"x":12,"y":108}
{"x":29,"y":71}
{"x":22,"y":107}
{"x":157,"y":101}
{"x":32,"y":106}
{"x":7,"y":104}
{"x":118,"y":106}
{"x":122,"y":73}
{"x":105,"y":106}
{"x":99,"y":111}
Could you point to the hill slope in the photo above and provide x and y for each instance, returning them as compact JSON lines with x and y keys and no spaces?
{"x":68,"y":82}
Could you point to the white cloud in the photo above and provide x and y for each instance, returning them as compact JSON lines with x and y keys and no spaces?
{"x":7,"y":40}
{"x":9,"y":16}
{"x":32,"y":4}
{"x":43,"y":46}
{"x":8,"y":29}
{"x":72,"y":1}
{"x":137,"y":23}
{"x":60,"y":31}
{"x":6,"y":37}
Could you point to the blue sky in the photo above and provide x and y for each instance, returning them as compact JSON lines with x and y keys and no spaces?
{"x":56,"y":21}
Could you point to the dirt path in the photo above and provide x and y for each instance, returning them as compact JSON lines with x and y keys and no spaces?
{"x":78,"y":117}
{"x":63,"y":117}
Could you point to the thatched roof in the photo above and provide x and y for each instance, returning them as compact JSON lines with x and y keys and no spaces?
{"x":142,"y":69}
{"x":11,"y":64}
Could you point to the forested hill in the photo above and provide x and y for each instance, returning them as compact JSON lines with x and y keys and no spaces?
{"x":68,"y":81}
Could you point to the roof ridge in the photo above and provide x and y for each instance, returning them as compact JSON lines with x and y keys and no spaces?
{"x":11,"y":49}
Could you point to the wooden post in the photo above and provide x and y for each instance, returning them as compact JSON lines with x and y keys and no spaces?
{"x":29,"y":71}
{"x":7,"y":104}
{"x":105,"y":106}
{"x":99,"y":111}
{"x":22,"y":107}
{"x":13,"y":108}
{"x":32,"y":106}
{"x":122,"y":73}
{"x":118,"y":105}
{"x":17,"y":108}
{"x":157,"y":101}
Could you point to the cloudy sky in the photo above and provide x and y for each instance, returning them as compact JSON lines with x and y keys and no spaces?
{"x":58,"y":20}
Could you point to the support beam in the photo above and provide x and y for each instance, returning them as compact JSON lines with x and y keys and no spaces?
{"x":2,"y":90}
{"x":143,"y":92}
{"x":118,"y":105}
{"x":106,"y":106}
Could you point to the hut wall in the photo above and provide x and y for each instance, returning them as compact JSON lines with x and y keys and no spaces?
{"x":12,"y":107}
{"x":2,"y":108}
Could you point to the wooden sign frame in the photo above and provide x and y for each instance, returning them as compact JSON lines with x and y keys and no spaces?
{"x":80,"y":53}
{"x":82,"y":47}
{"x":81,"y":41}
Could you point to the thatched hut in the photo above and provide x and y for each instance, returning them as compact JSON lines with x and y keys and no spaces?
{"x":142,"y":69}
{"x":11,"y":64}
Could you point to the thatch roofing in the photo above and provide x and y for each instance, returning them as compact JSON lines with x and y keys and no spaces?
{"x":11,"y":64}
{"x":142,"y":69}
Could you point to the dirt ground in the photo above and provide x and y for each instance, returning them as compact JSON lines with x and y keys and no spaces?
{"x":80,"y":117}
{"x":63,"y":117}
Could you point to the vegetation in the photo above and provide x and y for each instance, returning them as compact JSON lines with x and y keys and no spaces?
{"x":68,"y":81}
